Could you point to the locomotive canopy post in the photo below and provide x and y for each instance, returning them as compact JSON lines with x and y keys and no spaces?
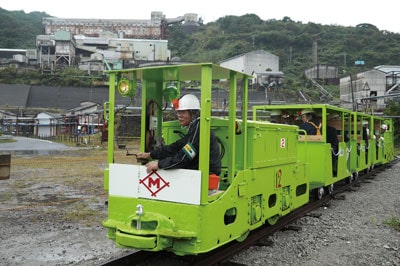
{"x":232,"y":125}
{"x":110,"y":130}
{"x":205,"y":120}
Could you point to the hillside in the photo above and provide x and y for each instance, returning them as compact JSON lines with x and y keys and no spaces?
{"x":232,"y":35}
{"x":292,"y":42}
{"x":18,"y":29}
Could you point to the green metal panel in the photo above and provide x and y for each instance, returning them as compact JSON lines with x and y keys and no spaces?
{"x":270,"y":144}
{"x":319,"y":167}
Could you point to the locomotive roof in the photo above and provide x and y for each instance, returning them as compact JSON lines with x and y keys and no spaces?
{"x":303,"y":106}
{"x":181,"y":72}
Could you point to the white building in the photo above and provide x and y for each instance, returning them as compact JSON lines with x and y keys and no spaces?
{"x":262,"y":65}
{"x":46,"y":124}
{"x":371,"y":88}
{"x":253,"y":62}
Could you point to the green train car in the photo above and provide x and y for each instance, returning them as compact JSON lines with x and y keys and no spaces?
{"x":268,"y":169}
{"x":348,"y":143}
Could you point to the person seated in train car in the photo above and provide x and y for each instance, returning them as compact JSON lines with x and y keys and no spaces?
{"x":331,"y":135}
{"x":276,"y":116}
{"x":311,"y":123}
{"x":384,"y":128}
{"x":281,"y":117}
{"x":365,"y":137}
{"x":333,"y":139}
{"x":184,"y":152}
{"x":378,"y":133}
{"x":287,"y":118}
{"x":365,"y":131}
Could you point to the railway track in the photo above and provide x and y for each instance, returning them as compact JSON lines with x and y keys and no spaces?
{"x":222,"y":255}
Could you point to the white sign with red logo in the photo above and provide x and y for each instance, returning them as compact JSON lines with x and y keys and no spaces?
{"x":283,"y":143}
{"x":177,"y":185}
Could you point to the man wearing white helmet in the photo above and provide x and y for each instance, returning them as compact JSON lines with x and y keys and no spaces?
{"x":184,"y":152}
{"x":310,"y":122}
{"x":276,"y":116}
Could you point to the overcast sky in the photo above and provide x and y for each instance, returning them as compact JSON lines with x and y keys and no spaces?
{"x":383,"y":15}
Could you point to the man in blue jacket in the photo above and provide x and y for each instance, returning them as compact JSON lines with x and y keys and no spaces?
{"x":184,"y":152}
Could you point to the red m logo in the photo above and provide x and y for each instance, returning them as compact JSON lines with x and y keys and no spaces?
{"x":154,"y":185}
{"x":153,"y":182}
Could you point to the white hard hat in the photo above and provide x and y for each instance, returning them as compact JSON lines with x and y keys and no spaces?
{"x":384,"y":127}
{"x":275,"y":112}
{"x":187,"y":102}
{"x":365,"y":122}
{"x":306,"y":111}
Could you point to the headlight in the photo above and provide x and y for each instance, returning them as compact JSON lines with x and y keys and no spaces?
{"x":125,"y":88}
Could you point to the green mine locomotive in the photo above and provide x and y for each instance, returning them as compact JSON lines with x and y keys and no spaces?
{"x":268,"y":168}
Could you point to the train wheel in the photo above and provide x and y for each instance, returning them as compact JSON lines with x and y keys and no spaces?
{"x":243,"y":236}
{"x":329,"y":189}
{"x":355,"y":176}
{"x":369,"y":169}
{"x":350,"y":179}
{"x":273,"y":220}
{"x":319,"y":192}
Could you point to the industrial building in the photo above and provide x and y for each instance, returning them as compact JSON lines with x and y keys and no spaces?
{"x":99,"y":44}
{"x":263,"y":65}
{"x":371,"y":89}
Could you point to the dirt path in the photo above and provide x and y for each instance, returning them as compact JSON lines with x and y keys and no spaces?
{"x":52,"y":208}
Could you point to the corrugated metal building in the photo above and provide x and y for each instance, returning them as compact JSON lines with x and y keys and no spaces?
{"x":330,"y":74}
{"x":253,"y":62}
{"x":369,"y":88}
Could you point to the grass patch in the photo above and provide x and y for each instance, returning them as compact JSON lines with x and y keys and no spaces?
{"x":5,"y":196}
{"x":82,"y":213}
{"x":6,"y":140}
{"x":394,"y":223}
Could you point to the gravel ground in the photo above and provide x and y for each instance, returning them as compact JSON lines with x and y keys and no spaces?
{"x":352,"y":231}
{"x":56,"y":220}
{"x":52,"y":207}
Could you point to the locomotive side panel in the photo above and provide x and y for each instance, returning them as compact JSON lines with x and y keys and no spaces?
{"x":271,"y":144}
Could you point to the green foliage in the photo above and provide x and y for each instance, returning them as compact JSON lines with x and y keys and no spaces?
{"x":292,"y":42}
{"x":18,"y":30}
{"x":394,"y":223}
{"x":70,"y":76}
